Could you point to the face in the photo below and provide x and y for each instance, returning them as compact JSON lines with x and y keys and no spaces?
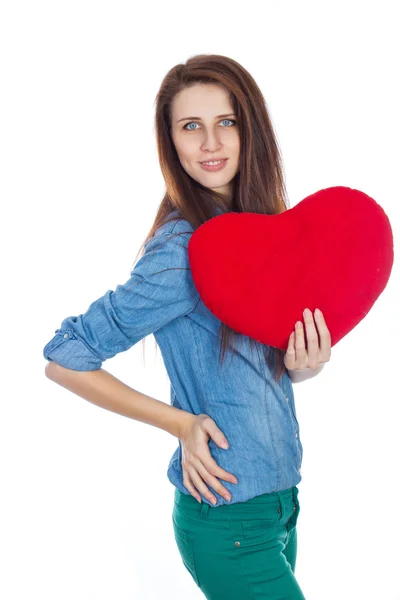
{"x":199,"y":134}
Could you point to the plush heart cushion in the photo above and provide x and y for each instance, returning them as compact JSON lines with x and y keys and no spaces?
{"x":257,"y":273}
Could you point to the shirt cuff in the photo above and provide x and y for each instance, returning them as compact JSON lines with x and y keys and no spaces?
{"x":66,"y":349}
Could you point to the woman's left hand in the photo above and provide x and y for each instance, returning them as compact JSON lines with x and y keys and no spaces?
{"x":297,"y":356}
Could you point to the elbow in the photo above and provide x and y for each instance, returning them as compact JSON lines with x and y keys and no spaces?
{"x":53,"y":370}
{"x":60,"y":374}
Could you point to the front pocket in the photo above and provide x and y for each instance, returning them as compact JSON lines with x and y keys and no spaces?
{"x":295,"y":514}
{"x":292,"y":522}
{"x":259,"y":530}
{"x":185,"y":546}
{"x":186,"y":515}
{"x":260,"y":524}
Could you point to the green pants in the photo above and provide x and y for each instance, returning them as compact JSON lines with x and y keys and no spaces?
{"x":246,"y":550}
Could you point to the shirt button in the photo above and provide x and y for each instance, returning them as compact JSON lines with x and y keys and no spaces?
{"x":296,"y":434}
{"x":237,"y":544}
{"x":66,"y":335}
{"x":287,"y":399}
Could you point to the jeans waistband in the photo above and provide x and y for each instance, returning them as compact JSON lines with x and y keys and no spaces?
{"x":281,"y":501}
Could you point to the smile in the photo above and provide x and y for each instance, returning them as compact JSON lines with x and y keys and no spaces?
{"x":214,"y":165}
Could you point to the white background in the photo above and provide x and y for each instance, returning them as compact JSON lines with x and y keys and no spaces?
{"x":85,"y":503}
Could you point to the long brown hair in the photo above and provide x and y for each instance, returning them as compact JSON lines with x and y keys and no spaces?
{"x":259,"y":185}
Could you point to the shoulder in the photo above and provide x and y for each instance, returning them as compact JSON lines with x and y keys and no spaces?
{"x":174,"y":227}
{"x":169,"y":244}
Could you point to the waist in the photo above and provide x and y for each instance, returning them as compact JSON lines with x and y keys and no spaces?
{"x":258,"y":504}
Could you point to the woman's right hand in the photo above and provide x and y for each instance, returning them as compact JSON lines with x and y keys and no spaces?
{"x":197,"y":463}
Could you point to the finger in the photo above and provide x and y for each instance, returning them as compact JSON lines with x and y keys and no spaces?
{"x":290,"y":356}
{"x":213,"y":482}
{"x":300,"y":348}
{"x":324,"y":334}
{"x":200,"y":485}
{"x":312,"y":339}
{"x":189,"y":486}
{"x":206,"y":460}
{"x":290,"y":349}
{"x":210,"y":427}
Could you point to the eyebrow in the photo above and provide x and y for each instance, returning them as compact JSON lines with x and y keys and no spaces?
{"x":199,"y":118}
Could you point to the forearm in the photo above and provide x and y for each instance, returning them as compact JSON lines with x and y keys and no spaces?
{"x":101,"y":388}
{"x":299,"y":375}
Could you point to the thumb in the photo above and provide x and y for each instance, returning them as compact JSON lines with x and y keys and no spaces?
{"x":215,"y":433}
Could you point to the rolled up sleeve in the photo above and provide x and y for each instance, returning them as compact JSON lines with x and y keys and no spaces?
{"x":160,"y":289}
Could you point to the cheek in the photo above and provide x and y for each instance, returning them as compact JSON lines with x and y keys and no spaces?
{"x":187,"y":160}
{"x":186,"y":153}
{"x":234,"y":148}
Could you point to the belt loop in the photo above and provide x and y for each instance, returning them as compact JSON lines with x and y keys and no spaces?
{"x":204,"y":510}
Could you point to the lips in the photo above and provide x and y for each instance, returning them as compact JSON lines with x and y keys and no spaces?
{"x":218,"y":166}
{"x":212,"y":160}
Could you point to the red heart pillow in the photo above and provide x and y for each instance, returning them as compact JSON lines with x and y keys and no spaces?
{"x":257,"y":273}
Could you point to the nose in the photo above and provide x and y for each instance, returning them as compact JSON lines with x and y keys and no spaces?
{"x":211,"y":142}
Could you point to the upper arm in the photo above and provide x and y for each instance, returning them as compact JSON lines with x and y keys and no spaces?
{"x":160,"y":288}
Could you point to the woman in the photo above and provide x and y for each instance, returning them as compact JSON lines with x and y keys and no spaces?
{"x":236,"y":505}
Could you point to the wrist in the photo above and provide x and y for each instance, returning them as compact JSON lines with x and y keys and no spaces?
{"x":184,"y":421}
{"x":299,"y":375}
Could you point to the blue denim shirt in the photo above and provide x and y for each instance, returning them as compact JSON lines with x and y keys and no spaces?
{"x":256,"y":414}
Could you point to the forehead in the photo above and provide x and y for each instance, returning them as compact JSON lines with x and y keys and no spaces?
{"x":202,"y":100}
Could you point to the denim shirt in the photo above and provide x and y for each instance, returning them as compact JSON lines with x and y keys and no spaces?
{"x":256,"y":414}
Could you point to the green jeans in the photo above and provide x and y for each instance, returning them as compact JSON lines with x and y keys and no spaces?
{"x":246,"y":550}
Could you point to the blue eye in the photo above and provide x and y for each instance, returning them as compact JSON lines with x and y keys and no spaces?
{"x":185,"y":126}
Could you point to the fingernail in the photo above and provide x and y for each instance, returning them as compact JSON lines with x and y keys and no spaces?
{"x":225,"y":445}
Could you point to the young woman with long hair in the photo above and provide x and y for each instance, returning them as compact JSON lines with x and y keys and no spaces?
{"x":238,"y":462}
